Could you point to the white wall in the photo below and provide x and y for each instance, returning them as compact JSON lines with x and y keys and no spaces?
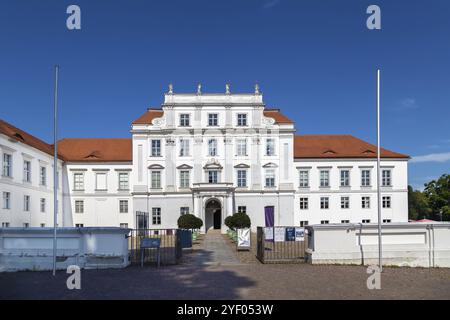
{"x":90,"y":248}
{"x":403,"y":244}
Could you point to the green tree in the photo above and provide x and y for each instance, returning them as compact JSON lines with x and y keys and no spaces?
{"x":418,"y":205}
{"x":438,"y":195}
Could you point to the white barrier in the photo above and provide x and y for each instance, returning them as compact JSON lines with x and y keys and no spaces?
{"x":90,"y":248}
{"x":404,"y":244}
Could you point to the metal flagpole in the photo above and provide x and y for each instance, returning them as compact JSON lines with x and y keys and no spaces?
{"x":380,"y":264}
{"x":55,"y":169}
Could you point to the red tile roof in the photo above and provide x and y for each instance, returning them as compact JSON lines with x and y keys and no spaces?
{"x":96,"y":150}
{"x":148,"y":116}
{"x":278,"y":116}
{"x":19,"y":135}
{"x":337,"y":146}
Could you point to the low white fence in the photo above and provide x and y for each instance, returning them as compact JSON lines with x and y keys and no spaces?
{"x":90,"y":248}
{"x":403,"y":244}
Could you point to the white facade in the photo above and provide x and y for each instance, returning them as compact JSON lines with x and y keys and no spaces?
{"x":207,"y":154}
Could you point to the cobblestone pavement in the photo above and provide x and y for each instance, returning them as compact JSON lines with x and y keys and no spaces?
{"x":212,"y":271}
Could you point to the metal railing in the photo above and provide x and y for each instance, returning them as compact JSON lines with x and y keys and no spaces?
{"x":281,"y":244}
{"x":170,"y":249}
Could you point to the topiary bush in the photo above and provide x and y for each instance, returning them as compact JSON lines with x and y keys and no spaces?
{"x":189,"y":221}
{"x":241,"y":221}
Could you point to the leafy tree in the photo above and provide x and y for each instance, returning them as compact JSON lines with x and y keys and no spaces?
{"x":418,"y":204}
{"x":238,"y":220}
{"x":438,"y":195}
{"x":189,"y":221}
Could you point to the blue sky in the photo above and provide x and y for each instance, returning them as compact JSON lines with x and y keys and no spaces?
{"x":315,"y":60}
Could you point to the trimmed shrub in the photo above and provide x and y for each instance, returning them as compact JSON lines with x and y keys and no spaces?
{"x":238,"y":221}
{"x":189,"y":221}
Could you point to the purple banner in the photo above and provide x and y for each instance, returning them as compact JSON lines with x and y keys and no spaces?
{"x":269,"y":216}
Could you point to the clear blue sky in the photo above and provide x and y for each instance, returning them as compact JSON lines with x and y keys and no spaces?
{"x":314,"y":59}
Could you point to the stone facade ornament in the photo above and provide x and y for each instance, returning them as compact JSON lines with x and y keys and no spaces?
{"x":199,"y":88}
{"x":257,"y":89}
{"x":170,"y":89}
{"x":227,"y":88}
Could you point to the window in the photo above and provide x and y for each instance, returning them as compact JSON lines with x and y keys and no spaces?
{"x":7,"y":165}
{"x":124,"y":225}
{"x":324,"y":222}
{"x":212,"y":147}
{"x":365,"y":178}
{"x":184,"y":120}
{"x":184,"y":210}
{"x":345,"y":178}
{"x":242,"y":178}
{"x":345,"y":221}
{"x":303,"y":223}
{"x":6,"y":200}
{"x":386,"y":220}
{"x":42,"y":225}
{"x":43,"y":176}
{"x":304,"y":178}
{"x":79,"y":225}
{"x":270,"y":147}
{"x":366,"y":221}
{"x":26,"y":203}
{"x":345,"y":202}
{"x":5,"y":224}
{"x":26,"y":225}
{"x":386,"y":202}
{"x":184,"y":179}
{"x":42,"y":204}
{"x":324,"y":203}
{"x":242,"y":209}
{"x":27,"y":171}
{"x":156,"y":180}
{"x":79,"y":206}
{"x":386,"y":180}
{"x":78,"y":181}
{"x":303,"y":203}
{"x":123,"y":181}
{"x":270,"y":178}
{"x":123,"y":206}
{"x":213,"y":119}
{"x":100,"y":181}
{"x":324,"y":178}
{"x":156,"y":148}
{"x":242,"y":119}
{"x":184,"y":148}
{"x":365,"y":202}
{"x":241,"y":145}
{"x":156,"y":215}
{"x":213,"y":176}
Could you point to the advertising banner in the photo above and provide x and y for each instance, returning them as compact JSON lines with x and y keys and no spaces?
{"x":243,"y":236}
{"x":299,"y":234}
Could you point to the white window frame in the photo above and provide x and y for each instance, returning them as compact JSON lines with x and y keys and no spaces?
{"x":344,"y":177}
{"x":241,"y":147}
{"x":6,"y":200}
{"x":365,"y":202}
{"x":155,"y":146}
{"x":212,"y":147}
{"x":386,"y":202}
{"x":241,"y":175}
{"x":26,"y":171}
{"x":241,"y":122}
{"x":26,"y":203}
{"x":212,"y":176}
{"x":155,"y":179}
{"x":386,"y":178}
{"x":185,"y":147}
{"x":304,"y":203}
{"x":77,"y":184}
{"x":42,"y":175}
{"x":185,"y":182}
{"x":270,"y":147}
{"x":42,"y":205}
{"x":79,"y":206}
{"x":242,"y":209}
{"x":123,"y":206}
{"x":366,"y":179}
{"x":156,"y":216}
{"x":301,"y":177}
{"x":324,"y":203}
{"x":345,"y":202}
{"x":270,"y":178}
{"x":324,"y":178}
{"x":184,"y":210}
{"x":7,"y":165}
{"x":213,"y":119}
{"x":185,"y":119}
{"x":123,"y":184}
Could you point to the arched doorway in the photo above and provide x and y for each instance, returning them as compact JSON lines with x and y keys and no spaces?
{"x":213,"y":214}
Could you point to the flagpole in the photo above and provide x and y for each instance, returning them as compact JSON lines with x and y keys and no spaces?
{"x":380,"y":262}
{"x":55,"y":168}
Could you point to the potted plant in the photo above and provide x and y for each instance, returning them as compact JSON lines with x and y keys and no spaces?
{"x":190,"y":222}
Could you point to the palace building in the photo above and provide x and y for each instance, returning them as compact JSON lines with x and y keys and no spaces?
{"x":209,"y":154}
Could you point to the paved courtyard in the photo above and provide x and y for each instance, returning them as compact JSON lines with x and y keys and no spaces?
{"x":212,"y":271}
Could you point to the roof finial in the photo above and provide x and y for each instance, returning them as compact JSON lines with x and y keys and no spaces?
{"x":199,"y":88}
{"x":227,"y":88}
{"x":257,"y":88}
{"x":170,"y":89}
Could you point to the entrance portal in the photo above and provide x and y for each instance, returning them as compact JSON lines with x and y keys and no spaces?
{"x":213,"y":215}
